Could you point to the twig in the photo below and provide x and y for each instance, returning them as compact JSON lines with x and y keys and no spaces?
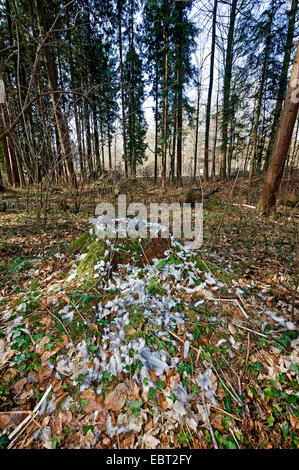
{"x":244,"y":205}
{"x":23,"y":425}
{"x":237,"y":302}
{"x":182,"y":341}
{"x":233,"y":395}
{"x":209,"y":423}
{"x":225,"y":412}
{"x":235,"y":439}
{"x":58,"y":319}
{"x":248,"y":329}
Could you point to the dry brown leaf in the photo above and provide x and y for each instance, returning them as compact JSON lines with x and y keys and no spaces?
{"x":174,"y":380}
{"x":43,"y":374}
{"x":149,"y":425}
{"x":46,"y":320}
{"x":101,"y":421}
{"x":45,"y":421}
{"x":4,"y":420}
{"x":162,"y":402}
{"x":127,"y":442}
{"x":94,"y":402}
{"x":133,"y":391}
{"x":40,"y":346}
{"x":116,"y":399}
{"x":19,"y":385}
{"x":294,"y":423}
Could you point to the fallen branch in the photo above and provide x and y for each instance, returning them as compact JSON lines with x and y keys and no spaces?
{"x":25,"y":423}
{"x":244,"y":205}
{"x":210,"y":426}
{"x":237,"y":302}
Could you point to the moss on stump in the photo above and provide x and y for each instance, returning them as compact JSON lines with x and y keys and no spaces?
{"x":95,"y":254}
{"x":223,"y":276}
{"x":81,"y":243}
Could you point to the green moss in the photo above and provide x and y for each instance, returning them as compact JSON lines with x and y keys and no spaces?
{"x":96,"y":253}
{"x":223,"y":276}
{"x":81,"y":243}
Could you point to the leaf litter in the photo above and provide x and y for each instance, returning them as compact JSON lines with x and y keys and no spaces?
{"x":165,"y":351}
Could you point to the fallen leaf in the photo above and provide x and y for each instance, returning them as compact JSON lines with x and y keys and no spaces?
{"x":116,"y":399}
{"x":4,"y":420}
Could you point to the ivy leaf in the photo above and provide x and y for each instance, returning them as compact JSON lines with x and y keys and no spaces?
{"x":160,"y":385}
{"x":270,"y":421}
{"x":84,"y":402}
{"x":151,"y":393}
{"x":258,"y":366}
{"x":228,"y":403}
{"x":294,"y":367}
{"x":4,"y":441}
{"x":55,"y":440}
{"x":229,"y":443}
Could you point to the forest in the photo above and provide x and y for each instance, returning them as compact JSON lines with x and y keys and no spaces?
{"x":149,"y":189}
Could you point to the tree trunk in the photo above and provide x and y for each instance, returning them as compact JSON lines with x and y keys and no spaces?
{"x":197,"y":127}
{"x":119,"y":9}
{"x":215,"y":139}
{"x":109,"y":144}
{"x":165,"y":109}
{"x":172,"y":161}
{"x":5,"y":151}
{"x":156,"y":120}
{"x":279,"y":155}
{"x":208,"y":114}
{"x":283,"y":82}
{"x":180,"y":7}
{"x":96,"y":141}
{"x":260,"y":98}
{"x":61,"y":123}
{"x":227,"y":88}
{"x":74,"y":99}
{"x":8,"y":150}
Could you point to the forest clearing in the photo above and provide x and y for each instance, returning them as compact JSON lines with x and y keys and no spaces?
{"x":115,"y":338}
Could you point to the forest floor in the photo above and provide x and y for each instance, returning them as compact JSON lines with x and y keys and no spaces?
{"x":189,"y":350}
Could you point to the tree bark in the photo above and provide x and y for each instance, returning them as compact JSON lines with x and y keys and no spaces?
{"x":119,"y":10}
{"x":215,"y":139}
{"x":74,"y":99}
{"x":165,"y":109}
{"x":279,"y":155}
{"x":156,"y":117}
{"x":180,"y":7}
{"x":197,"y":127}
{"x":208,"y":114}
{"x":61,"y":123}
{"x":5,"y":152}
{"x":283,"y":82}
{"x":260,"y":98}
{"x":227,"y":88}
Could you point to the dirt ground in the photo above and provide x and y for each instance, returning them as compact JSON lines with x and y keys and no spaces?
{"x":255,"y":262}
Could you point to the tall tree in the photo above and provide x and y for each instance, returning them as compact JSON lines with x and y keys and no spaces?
{"x":279,"y":155}
{"x":122,"y":86}
{"x":283,"y":81}
{"x":61,"y":122}
{"x":268,"y":35}
{"x":209,"y":102}
{"x":179,"y":8}
{"x":227,"y":87}
{"x":134,"y":95}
